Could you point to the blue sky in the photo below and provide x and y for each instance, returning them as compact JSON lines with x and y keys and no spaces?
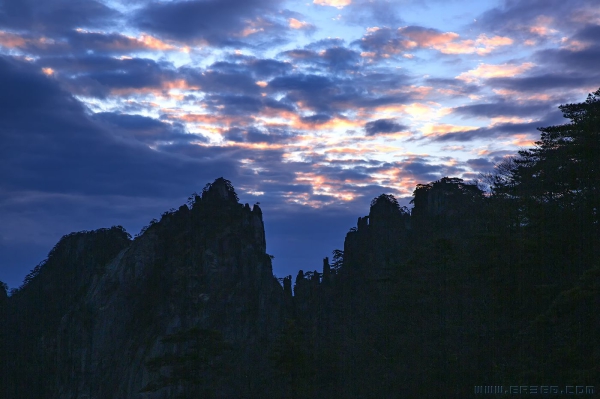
{"x":112,"y":112}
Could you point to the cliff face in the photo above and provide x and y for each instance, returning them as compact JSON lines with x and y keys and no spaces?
{"x":203,"y":268}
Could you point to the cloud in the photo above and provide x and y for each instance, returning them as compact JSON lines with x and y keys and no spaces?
{"x":293,"y":23}
{"x":374,"y":12}
{"x":50,"y":144}
{"x":559,"y":70}
{"x":480,"y":164}
{"x":145,"y":129}
{"x":333,"y":3}
{"x":115,"y":43}
{"x":426,"y":37}
{"x":316,"y":119}
{"x":330,"y":94}
{"x":301,"y":54}
{"x":544,"y":82}
{"x":266,"y":68}
{"x":101,"y":76}
{"x":383,"y":126}
{"x":385,"y":42}
{"x":336,"y":59}
{"x":255,"y":135}
{"x":233,"y":104}
{"x":581,"y":60}
{"x":453,"y":87}
{"x":213,"y":22}
{"x":305,"y":89}
{"x":482,"y":45}
{"x":502,"y":108}
{"x":55,"y":16}
{"x":217,"y":82}
{"x":486,"y":71}
{"x":325,"y":43}
{"x":418,"y":169}
{"x":503,"y":129}
{"x":534,"y":19}
{"x":340,"y":58}
{"x":81,"y":42}
{"x":588,"y":33}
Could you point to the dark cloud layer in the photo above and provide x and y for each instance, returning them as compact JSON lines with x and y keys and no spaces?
{"x":502,"y":108}
{"x":375,"y":12}
{"x":52,"y":144}
{"x":238,"y":82}
{"x":480,"y":164}
{"x":383,"y":126}
{"x":584,"y":61}
{"x":516,"y":18}
{"x":502,"y":129}
{"x":543,"y":82}
{"x":54,"y":16}
{"x":145,"y":129}
{"x":98,"y":76}
{"x":218,"y":22}
{"x":333,"y":94}
{"x":254,"y":135}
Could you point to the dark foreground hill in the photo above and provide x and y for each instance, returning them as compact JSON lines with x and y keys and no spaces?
{"x":468,"y":289}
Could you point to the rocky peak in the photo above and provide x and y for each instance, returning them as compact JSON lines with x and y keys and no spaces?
{"x":218,"y":191}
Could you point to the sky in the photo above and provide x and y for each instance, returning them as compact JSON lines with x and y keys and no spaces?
{"x":113,"y":112}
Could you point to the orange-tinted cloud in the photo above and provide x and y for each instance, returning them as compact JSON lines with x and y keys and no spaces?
{"x":426,"y":37}
{"x":211,"y":119}
{"x":297,"y":24}
{"x":333,"y":3}
{"x":440,"y":129}
{"x":541,"y":26}
{"x":514,"y":95}
{"x":486,"y":71}
{"x":152,"y":43}
{"x":448,"y":43}
{"x":417,"y":110}
{"x":453,"y":148}
{"x":385,"y":42}
{"x":482,"y":45}
{"x":508,"y":119}
{"x":254,"y":26}
{"x":122,"y":42}
{"x":322,"y":185}
{"x":10,"y":40}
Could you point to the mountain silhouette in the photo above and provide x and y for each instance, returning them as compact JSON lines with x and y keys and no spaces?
{"x":467,"y":291}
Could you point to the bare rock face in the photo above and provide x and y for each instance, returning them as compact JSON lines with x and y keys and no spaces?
{"x":203,"y":268}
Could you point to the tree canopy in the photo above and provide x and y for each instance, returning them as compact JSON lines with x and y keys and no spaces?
{"x":562,"y":170}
